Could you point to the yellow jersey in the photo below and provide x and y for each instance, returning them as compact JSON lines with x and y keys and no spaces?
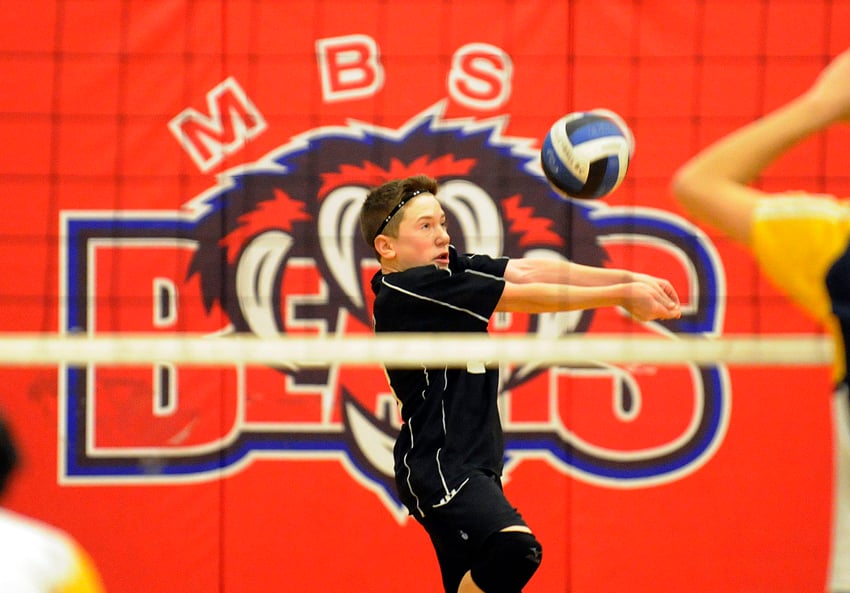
{"x":797,"y":238}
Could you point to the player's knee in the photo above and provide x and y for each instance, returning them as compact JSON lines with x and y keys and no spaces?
{"x":508,"y":561}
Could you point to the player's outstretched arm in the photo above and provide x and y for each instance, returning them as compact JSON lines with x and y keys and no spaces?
{"x":557,"y":271}
{"x":525,"y":270}
{"x":645,"y":301}
{"x":714,"y":185}
{"x":577,"y":286}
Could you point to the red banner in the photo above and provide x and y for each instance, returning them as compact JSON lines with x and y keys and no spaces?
{"x":197,"y":166}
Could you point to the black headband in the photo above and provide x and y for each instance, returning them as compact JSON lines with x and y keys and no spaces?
{"x":393,"y":212}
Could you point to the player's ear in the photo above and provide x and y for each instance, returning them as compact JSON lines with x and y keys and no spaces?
{"x":384,"y":246}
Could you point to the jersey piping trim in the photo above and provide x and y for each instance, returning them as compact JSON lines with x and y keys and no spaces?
{"x":450,"y":494}
{"x":485,"y":274}
{"x":410,"y":470}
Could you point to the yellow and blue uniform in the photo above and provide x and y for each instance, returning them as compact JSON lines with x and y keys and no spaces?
{"x":802,"y":243}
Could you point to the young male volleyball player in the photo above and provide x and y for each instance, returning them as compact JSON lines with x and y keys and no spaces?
{"x":449,"y":453}
{"x":801,"y":241}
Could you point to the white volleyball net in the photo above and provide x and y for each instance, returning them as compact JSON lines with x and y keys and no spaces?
{"x":410,"y":350}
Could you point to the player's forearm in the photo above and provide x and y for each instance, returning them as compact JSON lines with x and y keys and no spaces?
{"x":550,"y":298}
{"x":742,"y":155}
{"x":531,"y":270}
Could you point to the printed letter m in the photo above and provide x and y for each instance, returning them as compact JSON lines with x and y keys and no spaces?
{"x":233,"y":120}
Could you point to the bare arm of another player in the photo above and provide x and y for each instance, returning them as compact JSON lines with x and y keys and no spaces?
{"x":713,"y":186}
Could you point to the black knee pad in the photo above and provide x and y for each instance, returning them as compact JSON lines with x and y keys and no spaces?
{"x":508,"y":561}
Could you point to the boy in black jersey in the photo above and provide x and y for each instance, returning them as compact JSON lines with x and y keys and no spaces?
{"x":449,"y":453}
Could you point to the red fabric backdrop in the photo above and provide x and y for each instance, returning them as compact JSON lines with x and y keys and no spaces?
{"x":96,"y":96}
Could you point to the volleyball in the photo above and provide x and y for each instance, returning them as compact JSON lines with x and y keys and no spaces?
{"x":586,"y":153}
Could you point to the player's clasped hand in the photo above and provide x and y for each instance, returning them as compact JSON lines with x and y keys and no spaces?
{"x":649,"y":298}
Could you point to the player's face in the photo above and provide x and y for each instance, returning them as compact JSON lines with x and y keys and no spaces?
{"x":422,"y":235}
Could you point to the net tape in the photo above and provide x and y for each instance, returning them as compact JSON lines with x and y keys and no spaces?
{"x":408,"y":350}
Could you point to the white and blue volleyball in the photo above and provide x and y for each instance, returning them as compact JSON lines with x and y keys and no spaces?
{"x":586,"y":153}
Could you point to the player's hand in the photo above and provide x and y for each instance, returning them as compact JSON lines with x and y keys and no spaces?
{"x":660,"y":284}
{"x":650,"y":298}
